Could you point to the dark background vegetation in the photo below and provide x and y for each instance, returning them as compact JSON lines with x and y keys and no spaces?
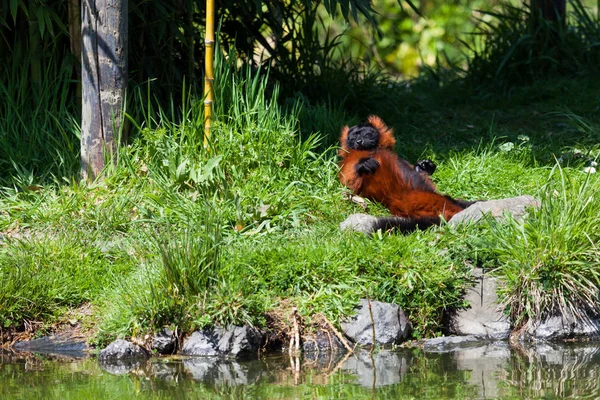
{"x":346,"y":55}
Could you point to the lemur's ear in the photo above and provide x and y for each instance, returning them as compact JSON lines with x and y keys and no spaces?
{"x":343,"y":138}
{"x":386,"y":134}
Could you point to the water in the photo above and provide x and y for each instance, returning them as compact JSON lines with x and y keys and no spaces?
{"x":481,"y":372}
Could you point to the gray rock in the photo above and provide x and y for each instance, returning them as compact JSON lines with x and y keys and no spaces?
{"x":239,"y":340}
{"x":565,"y":326}
{"x":122,"y":349}
{"x":322,"y":342}
{"x":515,"y":206}
{"x":483,"y":318}
{"x":61,"y":344}
{"x":391,"y":325}
{"x":359,"y":223}
{"x":234,"y":341}
{"x":164,"y":342}
{"x":447,"y":344}
{"x":201,"y":343}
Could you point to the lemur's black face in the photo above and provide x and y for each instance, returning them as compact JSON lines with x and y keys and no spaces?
{"x":362,"y":137}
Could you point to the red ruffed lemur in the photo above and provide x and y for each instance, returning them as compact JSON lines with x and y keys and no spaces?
{"x":371,"y":169}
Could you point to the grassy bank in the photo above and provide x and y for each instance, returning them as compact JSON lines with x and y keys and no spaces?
{"x":184,"y":236}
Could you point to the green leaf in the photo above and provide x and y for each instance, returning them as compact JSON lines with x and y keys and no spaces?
{"x":210,"y":166}
{"x":13,"y":9}
{"x":48,"y":22}
{"x":40,"y":15}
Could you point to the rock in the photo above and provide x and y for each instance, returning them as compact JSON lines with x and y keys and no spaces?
{"x":446,"y":344}
{"x":239,"y":340}
{"x":359,"y":223}
{"x":201,"y":343}
{"x":61,"y":344}
{"x":391,"y":325}
{"x":559,"y":327}
{"x":234,"y":341}
{"x":164,"y":342}
{"x":483,"y":318}
{"x":515,"y":206}
{"x":322,"y":342}
{"x":122,"y":349}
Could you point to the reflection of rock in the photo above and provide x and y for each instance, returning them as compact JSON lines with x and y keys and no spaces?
{"x":233,"y":341}
{"x":121,"y":366}
{"x":164,"y":342}
{"x":485,"y":360}
{"x":322,"y":341}
{"x":515,"y":206}
{"x":122,"y":349}
{"x":62,"y":344}
{"x":446,"y":344}
{"x":390,"y":367}
{"x":391,"y":325}
{"x":166,"y":371}
{"x":483,"y":318}
{"x":323,"y":360}
{"x":487,"y":364}
{"x":220,"y":371}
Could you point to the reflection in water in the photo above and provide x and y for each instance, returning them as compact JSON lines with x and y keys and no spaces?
{"x":487,"y":370}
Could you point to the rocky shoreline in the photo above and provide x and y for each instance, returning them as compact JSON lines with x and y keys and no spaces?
{"x":374,"y":324}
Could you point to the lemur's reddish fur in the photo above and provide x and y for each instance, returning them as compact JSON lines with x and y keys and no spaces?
{"x":391,"y":180}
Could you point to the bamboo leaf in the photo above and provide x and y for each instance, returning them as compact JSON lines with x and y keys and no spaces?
{"x":13,"y":9}
{"x":39,"y":13}
{"x":49,"y":23}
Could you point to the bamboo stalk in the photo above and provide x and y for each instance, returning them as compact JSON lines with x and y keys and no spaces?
{"x":209,"y":77}
{"x":372,"y":326}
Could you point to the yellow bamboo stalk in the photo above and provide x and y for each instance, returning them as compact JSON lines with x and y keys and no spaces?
{"x":209,"y":74}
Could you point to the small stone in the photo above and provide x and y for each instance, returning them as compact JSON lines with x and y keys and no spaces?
{"x":359,"y":223}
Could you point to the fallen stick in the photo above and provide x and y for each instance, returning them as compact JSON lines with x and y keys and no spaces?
{"x":338,"y":334}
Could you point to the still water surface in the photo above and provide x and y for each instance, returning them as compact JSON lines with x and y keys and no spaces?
{"x":487,"y":371}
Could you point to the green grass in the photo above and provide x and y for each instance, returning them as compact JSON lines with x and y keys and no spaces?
{"x":549,"y":262}
{"x":180,"y":235}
